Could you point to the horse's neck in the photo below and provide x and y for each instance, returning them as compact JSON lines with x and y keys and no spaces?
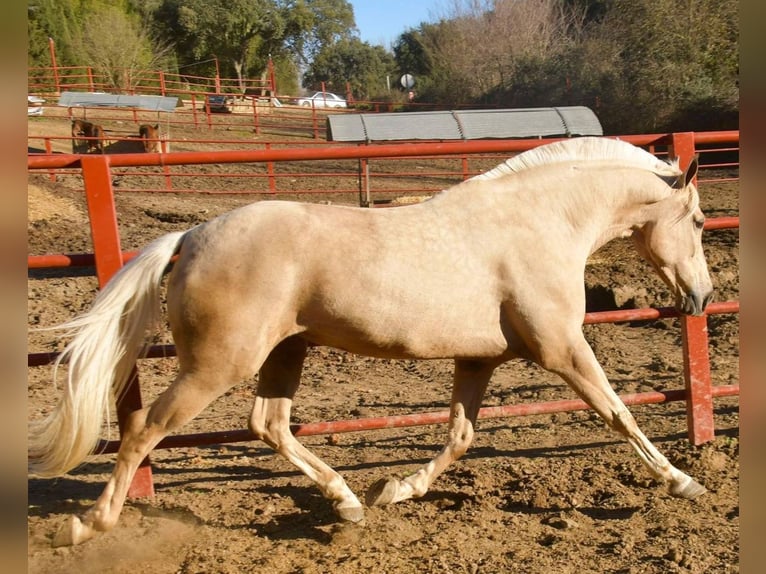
{"x":630,"y":199}
{"x":593,"y":206}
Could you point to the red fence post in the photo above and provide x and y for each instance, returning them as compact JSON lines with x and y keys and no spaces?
{"x":699,"y":400}
{"x":272,"y":79}
{"x":54,"y":65}
{"x":270,"y":172}
{"x":464,"y":166}
{"x":256,"y":123}
{"x":108,"y":255}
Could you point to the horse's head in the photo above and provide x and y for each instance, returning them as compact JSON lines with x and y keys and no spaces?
{"x":671,"y":240}
{"x":150,"y":135}
{"x":77,"y":127}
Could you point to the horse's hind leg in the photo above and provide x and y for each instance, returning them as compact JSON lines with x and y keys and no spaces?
{"x":181,"y":402}
{"x":582,"y":372}
{"x":471,"y":379}
{"x":278,"y":381}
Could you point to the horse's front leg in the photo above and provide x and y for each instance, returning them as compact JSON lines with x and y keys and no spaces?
{"x":278,"y":381}
{"x":577,"y":365}
{"x":471,"y":379}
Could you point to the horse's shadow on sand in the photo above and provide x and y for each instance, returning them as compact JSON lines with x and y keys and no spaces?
{"x":313,"y":518}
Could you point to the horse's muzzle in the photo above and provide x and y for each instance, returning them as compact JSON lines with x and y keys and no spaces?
{"x":694,"y":303}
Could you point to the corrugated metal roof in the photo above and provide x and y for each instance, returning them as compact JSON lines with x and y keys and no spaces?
{"x":95,"y":100}
{"x":465,"y":124}
{"x":388,"y":127}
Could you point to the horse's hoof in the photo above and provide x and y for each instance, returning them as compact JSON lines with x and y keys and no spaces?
{"x":382,"y":492}
{"x":350,"y":513}
{"x":689,"y":489}
{"x":72,"y":532}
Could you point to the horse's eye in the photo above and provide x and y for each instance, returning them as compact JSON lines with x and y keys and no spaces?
{"x":699,"y":223}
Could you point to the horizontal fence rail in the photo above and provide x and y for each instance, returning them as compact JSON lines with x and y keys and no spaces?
{"x":65,"y":260}
{"x":591,"y":318}
{"x":98,"y":172}
{"x":376,"y":180}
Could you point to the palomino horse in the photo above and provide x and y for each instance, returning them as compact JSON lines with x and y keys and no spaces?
{"x":150,"y":136}
{"x":87,"y":135}
{"x":488,"y":270}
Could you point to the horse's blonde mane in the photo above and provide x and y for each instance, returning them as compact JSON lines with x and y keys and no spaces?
{"x":584,"y":148}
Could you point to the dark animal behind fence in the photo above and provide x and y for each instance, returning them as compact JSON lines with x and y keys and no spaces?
{"x":150,"y":136}
{"x":87,"y":136}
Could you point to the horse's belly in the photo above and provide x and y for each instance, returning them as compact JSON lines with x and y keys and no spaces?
{"x":409,"y":333}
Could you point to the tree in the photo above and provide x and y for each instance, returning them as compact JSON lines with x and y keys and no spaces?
{"x":411,"y":54}
{"x":363,"y":66}
{"x":238,"y":32}
{"x":313,"y":24}
{"x":415,"y":53}
{"x":107,"y":35}
{"x":244,"y":34}
{"x":669,"y":68}
{"x":473,"y":50}
{"x":59,"y":20}
{"x":117,"y":47}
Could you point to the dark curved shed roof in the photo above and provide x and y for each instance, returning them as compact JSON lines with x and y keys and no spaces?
{"x":465,"y":124}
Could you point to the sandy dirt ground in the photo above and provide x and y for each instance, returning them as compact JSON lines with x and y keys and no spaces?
{"x":536,"y":494}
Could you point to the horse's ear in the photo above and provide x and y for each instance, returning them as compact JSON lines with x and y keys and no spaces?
{"x":685,"y":178}
{"x":691,"y":170}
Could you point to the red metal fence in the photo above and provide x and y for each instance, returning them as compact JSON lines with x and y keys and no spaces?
{"x":97,"y":171}
{"x":204,"y":101}
{"x":374,"y":179}
{"x":52,"y":80}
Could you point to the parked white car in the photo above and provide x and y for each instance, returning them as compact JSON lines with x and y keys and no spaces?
{"x":323,"y":100}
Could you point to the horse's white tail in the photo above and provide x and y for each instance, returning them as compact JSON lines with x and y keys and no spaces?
{"x":106,"y":343}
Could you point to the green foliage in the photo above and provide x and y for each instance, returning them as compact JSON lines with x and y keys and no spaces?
{"x":313,"y":24}
{"x":642,"y":65}
{"x":60,"y":20}
{"x":675,"y":58}
{"x":286,"y":74}
{"x":117,"y":47}
{"x":411,"y":54}
{"x":244,"y":34}
{"x":240,"y":33}
{"x":363,"y":66}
